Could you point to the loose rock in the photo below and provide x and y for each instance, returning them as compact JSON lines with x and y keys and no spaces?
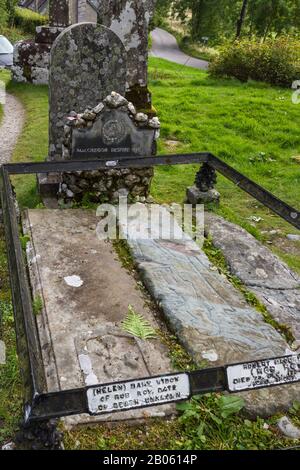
{"x":288,"y":429}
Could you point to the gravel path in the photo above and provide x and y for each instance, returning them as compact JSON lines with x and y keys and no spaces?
{"x":11,"y":127}
{"x":164,"y":45}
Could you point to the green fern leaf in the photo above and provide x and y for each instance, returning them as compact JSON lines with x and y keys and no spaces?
{"x":136,"y":325}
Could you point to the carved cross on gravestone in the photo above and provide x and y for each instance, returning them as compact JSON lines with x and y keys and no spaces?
{"x":59,"y":13}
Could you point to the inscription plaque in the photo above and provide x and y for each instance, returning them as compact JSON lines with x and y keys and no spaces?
{"x":113,"y":134}
{"x":121,"y":396}
{"x":264,"y":373}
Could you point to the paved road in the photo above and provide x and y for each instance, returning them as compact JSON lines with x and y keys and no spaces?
{"x":164,"y":46}
{"x":11,"y":127}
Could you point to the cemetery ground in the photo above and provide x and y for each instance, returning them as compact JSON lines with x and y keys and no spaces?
{"x":253,"y":127}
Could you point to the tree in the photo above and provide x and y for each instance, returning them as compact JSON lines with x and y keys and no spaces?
{"x":162,"y":8}
{"x":269,"y":17}
{"x":209,"y":18}
{"x":10,"y":8}
{"x":218,"y":19}
{"x":241,"y":19}
{"x":3,"y":13}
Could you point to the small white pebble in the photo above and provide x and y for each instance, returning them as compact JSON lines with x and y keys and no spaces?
{"x":73,"y":281}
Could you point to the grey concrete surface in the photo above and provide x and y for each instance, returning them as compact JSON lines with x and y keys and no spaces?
{"x":164,"y":46}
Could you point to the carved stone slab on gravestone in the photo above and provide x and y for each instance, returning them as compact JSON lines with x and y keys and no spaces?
{"x":112,"y":129}
{"x":113,"y":135}
{"x":88,"y":61}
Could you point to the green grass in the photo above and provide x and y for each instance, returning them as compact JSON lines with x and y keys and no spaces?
{"x":33,"y":144}
{"x":201,"y":427}
{"x":4,"y":77}
{"x":235,"y":121}
{"x":15,"y":34}
{"x":252,"y":126}
{"x":10,"y":383}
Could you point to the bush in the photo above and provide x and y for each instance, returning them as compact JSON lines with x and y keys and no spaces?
{"x":275,"y":61}
{"x":28,"y":20}
{"x":3,"y":13}
{"x":11,"y":10}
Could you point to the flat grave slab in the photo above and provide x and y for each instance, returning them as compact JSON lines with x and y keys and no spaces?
{"x":267,"y":276}
{"x":85,"y":293}
{"x":209,"y":316}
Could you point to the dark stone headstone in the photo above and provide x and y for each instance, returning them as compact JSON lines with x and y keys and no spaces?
{"x":115,"y":135}
{"x":110,"y":131}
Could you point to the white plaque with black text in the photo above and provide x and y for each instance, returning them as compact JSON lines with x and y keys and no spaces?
{"x":121,"y":396}
{"x":264,"y":373}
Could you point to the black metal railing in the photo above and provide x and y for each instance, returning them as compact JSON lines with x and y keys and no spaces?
{"x":38,"y":403}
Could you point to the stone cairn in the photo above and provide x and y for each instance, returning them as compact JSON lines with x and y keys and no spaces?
{"x":106,"y":185}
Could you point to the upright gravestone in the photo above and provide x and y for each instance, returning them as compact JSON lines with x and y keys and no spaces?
{"x":31,"y":57}
{"x":88,"y":61}
{"x":88,"y":74}
{"x":130,"y":19}
{"x":59,"y":13}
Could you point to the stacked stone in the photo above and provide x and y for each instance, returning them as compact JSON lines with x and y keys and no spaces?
{"x":106,"y":185}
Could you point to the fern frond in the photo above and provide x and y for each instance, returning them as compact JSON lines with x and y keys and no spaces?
{"x":136,"y":325}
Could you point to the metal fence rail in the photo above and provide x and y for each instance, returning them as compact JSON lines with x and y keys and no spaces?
{"x":276,"y":205}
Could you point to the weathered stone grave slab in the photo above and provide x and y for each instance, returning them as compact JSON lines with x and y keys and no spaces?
{"x":208,"y":314}
{"x":269,"y":278}
{"x":86,"y":293}
{"x":88,"y":61}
